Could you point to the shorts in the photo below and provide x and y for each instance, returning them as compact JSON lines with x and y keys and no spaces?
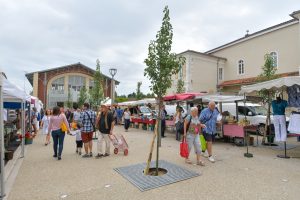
{"x":209,"y":137}
{"x":87,"y":136}
{"x":79,"y":144}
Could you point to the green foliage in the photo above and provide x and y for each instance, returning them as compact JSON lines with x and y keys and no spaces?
{"x":82,"y":97}
{"x":268,"y":73}
{"x":96,"y":93}
{"x":180,"y":86}
{"x":139,"y":94}
{"x":161,"y":63}
{"x":121,"y":99}
{"x":69,"y":102}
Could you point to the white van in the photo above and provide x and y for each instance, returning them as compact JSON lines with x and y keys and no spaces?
{"x":255,"y":113}
{"x":171,"y":110}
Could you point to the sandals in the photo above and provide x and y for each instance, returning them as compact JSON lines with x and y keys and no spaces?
{"x":188,"y":161}
{"x":201,"y":163}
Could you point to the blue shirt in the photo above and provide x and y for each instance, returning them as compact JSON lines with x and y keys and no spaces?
{"x":209,"y":118}
{"x":279,"y":107}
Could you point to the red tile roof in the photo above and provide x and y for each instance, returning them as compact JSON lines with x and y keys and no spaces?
{"x":248,"y":81}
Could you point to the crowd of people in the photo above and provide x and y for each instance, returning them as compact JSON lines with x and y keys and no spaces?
{"x":81,"y":123}
{"x":84,"y":122}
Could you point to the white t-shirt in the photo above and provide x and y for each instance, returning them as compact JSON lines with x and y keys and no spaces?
{"x":127,"y":115}
{"x":77,"y":133}
{"x":76,"y":116}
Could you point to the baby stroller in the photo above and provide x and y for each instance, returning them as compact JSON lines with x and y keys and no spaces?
{"x":119,"y":143}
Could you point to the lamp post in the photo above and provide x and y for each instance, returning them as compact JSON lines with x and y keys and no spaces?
{"x":2,"y":188}
{"x":113,"y":72}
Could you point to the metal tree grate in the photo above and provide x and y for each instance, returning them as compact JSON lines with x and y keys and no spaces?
{"x":135,"y":175}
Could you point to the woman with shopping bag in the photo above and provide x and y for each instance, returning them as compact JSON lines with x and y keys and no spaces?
{"x":192,"y":129}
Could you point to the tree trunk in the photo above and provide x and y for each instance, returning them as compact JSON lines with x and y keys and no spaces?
{"x":158,"y":144}
{"x":146,"y":171}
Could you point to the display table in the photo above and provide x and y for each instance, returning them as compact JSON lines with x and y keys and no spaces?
{"x":143,"y":121}
{"x":235,"y":130}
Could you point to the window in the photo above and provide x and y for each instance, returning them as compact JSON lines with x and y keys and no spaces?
{"x":58,"y":84}
{"x":76,"y":82}
{"x":241,"y":68}
{"x":274,"y":58}
{"x":220,"y":74}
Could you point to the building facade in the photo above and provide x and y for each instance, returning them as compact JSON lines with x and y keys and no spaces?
{"x":240,"y":62}
{"x":58,"y":85}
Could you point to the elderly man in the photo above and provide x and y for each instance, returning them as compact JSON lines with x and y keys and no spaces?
{"x":105,"y":124}
{"x":208,"y":117}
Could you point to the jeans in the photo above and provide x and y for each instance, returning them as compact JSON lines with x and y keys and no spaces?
{"x":58,"y":140}
{"x":127,"y":123}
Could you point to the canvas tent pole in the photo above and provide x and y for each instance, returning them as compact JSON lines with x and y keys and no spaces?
{"x":23,"y":128}
{"x":2,"y":194}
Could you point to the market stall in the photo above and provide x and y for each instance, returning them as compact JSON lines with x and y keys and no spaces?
{"x":289,"y":84}
{"x":11,"y":97}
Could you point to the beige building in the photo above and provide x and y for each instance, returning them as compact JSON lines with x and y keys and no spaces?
{"x":239,"y":62}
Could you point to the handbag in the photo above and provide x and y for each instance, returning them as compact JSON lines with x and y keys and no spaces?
{"x":184,"y":148}
{"x":63,"y":127}
{"x":203,"y":143}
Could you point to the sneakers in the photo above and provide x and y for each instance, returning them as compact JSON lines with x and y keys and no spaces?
{"x":211,"y":159}
{"x":91,"y":154}
{"x":105,"y":155}
{"x":99,"y":156}
{"x":204,"y":154}
{"x":86,"y":155}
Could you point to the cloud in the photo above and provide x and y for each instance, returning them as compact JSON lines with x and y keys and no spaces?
{"x":35,"y":35}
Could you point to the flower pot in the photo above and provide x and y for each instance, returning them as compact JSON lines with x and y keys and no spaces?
{"x":28,"y":141}
{"x":9,"y":155}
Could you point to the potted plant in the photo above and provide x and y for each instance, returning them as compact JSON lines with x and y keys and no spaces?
{"x":28,"y":138}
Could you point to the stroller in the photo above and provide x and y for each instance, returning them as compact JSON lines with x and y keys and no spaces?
{"x":119,"y":143}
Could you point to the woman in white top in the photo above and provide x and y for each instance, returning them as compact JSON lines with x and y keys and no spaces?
{"x":126,"y":116}
{"x":45,"y":125}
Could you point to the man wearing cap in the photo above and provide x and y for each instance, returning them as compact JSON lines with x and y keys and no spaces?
{"x":105,"y":124}
{"x":88,"y":119}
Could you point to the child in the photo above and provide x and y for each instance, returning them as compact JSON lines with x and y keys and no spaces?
{"x":76,"y":131}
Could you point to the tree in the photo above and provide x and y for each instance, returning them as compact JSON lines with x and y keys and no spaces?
{"x":82,"y":97}
{"x":69,"y":100}
{"x":96,"y":93}
{"x":161,"y":65}
{"x":139,"y":94}
{"x":180,"y":86}
{"x":268,"y":73}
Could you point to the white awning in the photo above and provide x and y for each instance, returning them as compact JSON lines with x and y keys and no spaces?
{"x":275,"y":84}
{"x":220,"y":98}
{"x":12,"y":93}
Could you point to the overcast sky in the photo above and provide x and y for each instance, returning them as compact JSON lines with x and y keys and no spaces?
{"x":41,"y":34}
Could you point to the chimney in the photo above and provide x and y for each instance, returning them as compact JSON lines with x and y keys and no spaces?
{"x":247,"y":33}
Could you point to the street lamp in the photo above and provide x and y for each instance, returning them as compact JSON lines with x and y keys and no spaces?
{"x":112,"y":72}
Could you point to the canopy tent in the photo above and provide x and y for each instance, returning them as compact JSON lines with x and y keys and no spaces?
{"x":275,"y":84}
{"x":14,"y":98}
{"x":182,"y":96}
{"x":12,"y":95}
{"x":220,"y":98}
